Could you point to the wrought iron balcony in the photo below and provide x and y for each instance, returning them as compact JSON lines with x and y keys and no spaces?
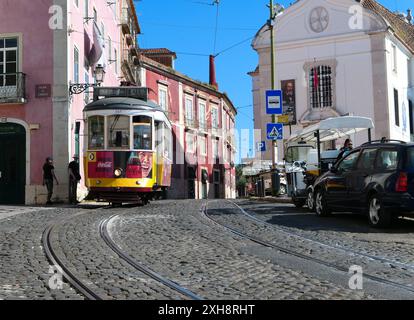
{"x":12,"y":87}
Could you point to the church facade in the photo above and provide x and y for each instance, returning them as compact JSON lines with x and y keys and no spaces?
{"x":333,"y":58}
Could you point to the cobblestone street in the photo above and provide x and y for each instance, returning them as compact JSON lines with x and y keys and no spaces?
{"x":186,"y":243}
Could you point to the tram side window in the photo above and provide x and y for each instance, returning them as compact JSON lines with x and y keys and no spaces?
{"x":142,"y":133}
{"x":118,"y":132}
{"x":96,"y":132}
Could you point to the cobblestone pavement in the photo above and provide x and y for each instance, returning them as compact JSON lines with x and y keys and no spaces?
{"x":348,"y":230}
{"x":24,"y":269}
{"x":394,"y":246}
{"x":82,"y":249}
{"x":174,"y":239}
{"x":180,"y":244}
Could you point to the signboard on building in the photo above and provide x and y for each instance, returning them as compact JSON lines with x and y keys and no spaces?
{"x":289,"y":100}
{"x":283,"y":119}
{"x":274,"y":102}
{"x":274,"y":131}
{"x":43,"y":90}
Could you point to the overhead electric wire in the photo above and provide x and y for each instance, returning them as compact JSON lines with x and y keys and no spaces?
{"x":216,"y":29}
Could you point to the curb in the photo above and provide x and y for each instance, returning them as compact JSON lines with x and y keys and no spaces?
{"x":272,"y":199}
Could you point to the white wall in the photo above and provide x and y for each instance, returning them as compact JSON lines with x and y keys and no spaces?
{"x":398,"y":79}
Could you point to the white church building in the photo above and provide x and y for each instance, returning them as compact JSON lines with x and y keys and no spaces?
{"x":338,"y":57}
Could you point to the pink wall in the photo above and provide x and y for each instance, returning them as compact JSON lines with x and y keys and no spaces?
{"x":30,"y":18}
{"x":152,"y":80}
{"x":83,"y":39}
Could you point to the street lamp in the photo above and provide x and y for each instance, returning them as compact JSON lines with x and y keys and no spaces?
{"x":78,"y":88}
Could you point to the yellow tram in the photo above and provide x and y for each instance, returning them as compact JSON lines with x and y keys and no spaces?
{"x":128,"y":146}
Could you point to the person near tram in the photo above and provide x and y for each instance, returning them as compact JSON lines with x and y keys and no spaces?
{"x":74,"y":179}
{"x":48,"y":176}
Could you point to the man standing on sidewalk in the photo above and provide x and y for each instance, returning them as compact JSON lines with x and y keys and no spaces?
{"x":74,"y":178}
{"x":48,"y":176}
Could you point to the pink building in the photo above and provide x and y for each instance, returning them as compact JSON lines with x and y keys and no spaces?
{"x":45,"y":46}
{"x":203,"y":128}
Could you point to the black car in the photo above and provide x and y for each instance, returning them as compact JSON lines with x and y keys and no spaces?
{"x":376,"y":178}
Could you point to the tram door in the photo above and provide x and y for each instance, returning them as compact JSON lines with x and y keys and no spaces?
{"x":12,"y":163}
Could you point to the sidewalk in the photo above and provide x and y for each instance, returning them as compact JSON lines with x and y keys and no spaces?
{"x":282,"y":199}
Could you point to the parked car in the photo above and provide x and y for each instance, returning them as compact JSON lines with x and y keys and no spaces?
{"x":376,"y":179}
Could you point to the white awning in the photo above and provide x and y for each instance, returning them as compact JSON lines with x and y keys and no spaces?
{"x":332,"y":128}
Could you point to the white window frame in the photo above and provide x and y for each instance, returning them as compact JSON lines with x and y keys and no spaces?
{"x":163,"y":89}
{"x":109,"y":48}
{"x":203,"y":146}
{"x":215,"y":147}
{"x":189,"y":137}
{"x":4,"y":51}
{"x":215,"y":126}
{"x":86,"y":10}
{"x":202,"y":119}
{"x":332,"y":63}
{"x":76,"y":69}
{"x":187,"y":113}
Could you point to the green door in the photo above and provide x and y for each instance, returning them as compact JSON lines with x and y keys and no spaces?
{"x":12,"y":163}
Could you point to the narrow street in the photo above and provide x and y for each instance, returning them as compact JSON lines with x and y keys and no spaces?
{"x":188,"y":249}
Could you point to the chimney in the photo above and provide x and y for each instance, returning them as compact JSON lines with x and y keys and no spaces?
{"x":409,"y":16}
{"x":213,"y":81}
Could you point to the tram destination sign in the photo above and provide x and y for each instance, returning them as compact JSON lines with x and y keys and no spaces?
{"x":140,"y":93}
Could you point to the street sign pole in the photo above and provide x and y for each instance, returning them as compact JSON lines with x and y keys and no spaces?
{"x":272,"y":72}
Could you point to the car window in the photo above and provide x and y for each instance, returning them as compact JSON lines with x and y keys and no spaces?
{"x":410,"y":159}
{"x":367,"y":159}
{"x":348,"y":162}
{"x":387,"y":159}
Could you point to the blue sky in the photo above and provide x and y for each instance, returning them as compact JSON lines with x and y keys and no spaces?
{"x":188,"y":28}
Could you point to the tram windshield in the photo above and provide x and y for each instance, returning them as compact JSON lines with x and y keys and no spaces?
{"x":118,"y":132}
{"x":96,"y":132}
{"x":142,"y":133}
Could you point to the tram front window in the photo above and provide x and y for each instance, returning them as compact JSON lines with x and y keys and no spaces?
{"x":118,"y":132}
{"x":142,"y":133}
{"x":96,"y":132}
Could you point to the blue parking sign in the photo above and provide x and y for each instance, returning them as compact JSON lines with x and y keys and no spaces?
{"x":274,"y":131}
{"x":274,"y":102}
{"x":261,"y":146}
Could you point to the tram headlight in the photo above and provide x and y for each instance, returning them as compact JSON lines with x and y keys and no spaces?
{"x":118,"y":172}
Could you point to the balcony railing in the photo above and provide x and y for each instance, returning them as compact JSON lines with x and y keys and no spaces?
{"x":190,"y":122}
{"x":12,"y":87}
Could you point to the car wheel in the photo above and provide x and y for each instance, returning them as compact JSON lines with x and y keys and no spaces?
{"x":379,"y":217}
{"x":310,"y":201}
{"x":321,"y":207}
{"x":282,"y":189}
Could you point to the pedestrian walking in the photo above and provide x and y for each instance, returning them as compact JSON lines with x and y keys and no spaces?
{"x":74,"y":178}
{"x":48,"y":176}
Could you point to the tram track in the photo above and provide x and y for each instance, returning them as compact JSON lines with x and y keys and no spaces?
{"x":244,"y":235}
{"x":104,"y":232}
{"x":81,"y":285}
{"x":55,"y":260}
{"x":330,"y":246}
